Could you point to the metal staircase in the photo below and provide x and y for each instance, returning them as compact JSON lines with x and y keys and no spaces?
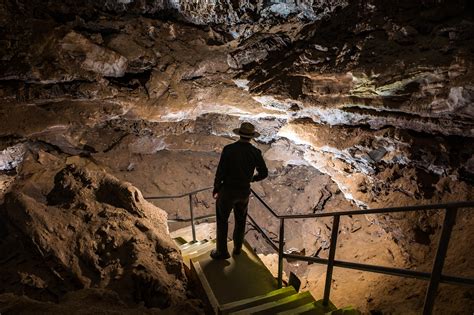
{"x":253,"y":293}
{"x":243,"y":285}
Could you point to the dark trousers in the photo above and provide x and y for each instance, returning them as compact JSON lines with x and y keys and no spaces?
{"x":231,"y":199}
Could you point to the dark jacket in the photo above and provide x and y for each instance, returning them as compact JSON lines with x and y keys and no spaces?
{"x":237,"y":165}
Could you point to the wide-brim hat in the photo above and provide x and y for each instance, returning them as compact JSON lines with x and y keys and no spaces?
{"x":246,"y":130}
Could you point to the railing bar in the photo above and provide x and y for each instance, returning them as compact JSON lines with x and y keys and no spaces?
{"x":332,"y":254}
{"x":384,"y":270}
{"x":363,"y":267}
{"x":265,"y":236}
{"x":432,"y":290}
{"x":281,"y":245}
{"x":379,"y":210}
{"x":457,"y":280}
{"x":191,"y":212}
{"x":463,"y":204}
{"x":317,"y":260}
{"x":178,"y":196}
{"x":265,"y":204}
{"x":189,"y":219}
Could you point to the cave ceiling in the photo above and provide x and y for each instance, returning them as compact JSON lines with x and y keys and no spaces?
{"x":396,"y":73}
{"x":360,"y":104}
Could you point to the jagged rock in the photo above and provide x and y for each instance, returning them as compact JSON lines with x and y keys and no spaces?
{"x":375,"y":94}
{"x":85,"y":301}
{"x":160,"y":81}
{"x":97,"y":232}
{"x":11,"y":157}
{"x":226,"y":11}
{"x":139,"y":58}
{"x":79,"y":54}
{"x":341,"y":81}
{"x":257,"y":48}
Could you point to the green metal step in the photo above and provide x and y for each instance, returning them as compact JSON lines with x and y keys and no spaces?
{"x":287,"y":303}
{"x":327,"y":309}
{"x":309,"y":308}
{"x":257,"y":300}
{"x":203,"y":249}
{"x":179,"y":241}
{"x":192,"y":248}
{"x":186,"y":245}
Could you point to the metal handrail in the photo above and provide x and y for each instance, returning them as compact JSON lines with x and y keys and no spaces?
{"x":462,"y":204}
{"x":191,"y":212}
{"x":435,"y":276}
{"x":179,"y":196}
{"x":207,"y":216}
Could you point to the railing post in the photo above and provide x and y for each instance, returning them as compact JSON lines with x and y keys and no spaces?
{"x":280,"y":252}
{"x":449,"y":220}
{"x":193,"y":228}
{"x":332,"y":254}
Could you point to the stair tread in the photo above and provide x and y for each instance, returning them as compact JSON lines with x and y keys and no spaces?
{"x":198,"y":251}
{"x":204,"y":248}
{"x":283,"y":304}
{"x":309,"y":308}
{"x":245,"y":274}
{"x":192,"y":247}
{"x":186,"y":245}
{"x":331,"y":307}
{"x":179,"y":240}
{"x":257,"y":300}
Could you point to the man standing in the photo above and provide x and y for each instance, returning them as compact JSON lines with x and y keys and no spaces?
{"x":232,"y":187}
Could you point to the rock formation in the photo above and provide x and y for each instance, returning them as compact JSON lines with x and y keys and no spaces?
{"x":359,"y":103}
{"x":67,"y":227}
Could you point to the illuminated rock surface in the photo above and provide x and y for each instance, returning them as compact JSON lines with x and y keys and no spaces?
{"x":71,"y":227}
{"x":367,"y":104}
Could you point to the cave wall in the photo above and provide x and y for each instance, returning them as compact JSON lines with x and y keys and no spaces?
{"x":368,"y":101}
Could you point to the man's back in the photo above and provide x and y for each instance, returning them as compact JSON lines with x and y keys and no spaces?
{"x":237,"y":165}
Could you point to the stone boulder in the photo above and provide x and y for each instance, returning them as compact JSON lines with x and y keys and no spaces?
{"x":139,"y":58}
{"x":79,"y":54}
{"x":91,"y":231}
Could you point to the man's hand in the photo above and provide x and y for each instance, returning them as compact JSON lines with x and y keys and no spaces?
{"x":215,"y":195}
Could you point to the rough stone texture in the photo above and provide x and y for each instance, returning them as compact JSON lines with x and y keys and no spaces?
{"x":375,"y":170}
{"x":223,"y":12}
{"x":338,"y":71}
{"x":74,"y":47}
{"x":360,"y":104}
{"x":85,"y":301}
{"x":86,"y":229}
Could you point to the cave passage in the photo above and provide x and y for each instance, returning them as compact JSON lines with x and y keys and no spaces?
{"x":358,"y":105}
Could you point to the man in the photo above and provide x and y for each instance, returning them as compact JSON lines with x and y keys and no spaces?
{"x":232,"y":187}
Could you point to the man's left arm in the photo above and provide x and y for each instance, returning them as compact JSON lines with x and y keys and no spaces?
{"x":262,"y":170}
{"x":219,"y":179}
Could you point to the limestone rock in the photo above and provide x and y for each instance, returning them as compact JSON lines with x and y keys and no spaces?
{"x":97,"y":232}
{"x":226,"y":11}
{"x":79,"y":54}
{"x":11,"y":157}
{"x":160,"y":81}
{"x":340,"y":78}
{"x":257,"y":48}
{"x":139,"y":58}
{"x":85,"y":301}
